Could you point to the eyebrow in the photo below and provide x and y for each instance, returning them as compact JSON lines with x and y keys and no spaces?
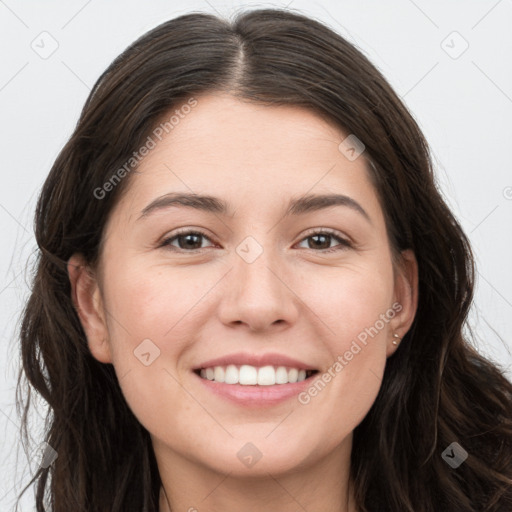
{"x":211,"y":204}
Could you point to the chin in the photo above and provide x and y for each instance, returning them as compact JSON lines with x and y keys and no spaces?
{"x":258,"y":457}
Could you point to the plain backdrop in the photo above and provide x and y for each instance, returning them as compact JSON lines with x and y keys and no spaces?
{"x":450,"y":61}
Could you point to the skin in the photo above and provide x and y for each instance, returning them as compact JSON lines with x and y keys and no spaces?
{"x":294,"y":299}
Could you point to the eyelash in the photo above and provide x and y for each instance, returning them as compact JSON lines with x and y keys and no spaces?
{"x":344,"y":243}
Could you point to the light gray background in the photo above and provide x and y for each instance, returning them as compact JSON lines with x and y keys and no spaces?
{"x":462,"y":101}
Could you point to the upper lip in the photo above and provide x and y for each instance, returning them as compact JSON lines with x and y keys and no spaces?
{"x":269,"y":359}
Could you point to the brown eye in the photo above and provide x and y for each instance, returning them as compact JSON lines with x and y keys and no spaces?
{"x":321,"y":240}
{"x":187,"y":241}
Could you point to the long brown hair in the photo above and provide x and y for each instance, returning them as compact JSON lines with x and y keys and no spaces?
{"x":436,"y":388}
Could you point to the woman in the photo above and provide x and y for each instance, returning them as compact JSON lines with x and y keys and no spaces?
{"x":250,"y":294}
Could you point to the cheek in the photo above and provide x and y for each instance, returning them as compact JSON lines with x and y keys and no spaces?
{"x":163,"y":309}
{"x":351,"y":299}
{"x":167,"y":306}
{"x":356,"y":307}
{"x":151,"y":303}
{"x":150,"y":325}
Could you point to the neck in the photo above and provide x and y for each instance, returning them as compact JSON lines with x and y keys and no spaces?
{"x":323,"y":486}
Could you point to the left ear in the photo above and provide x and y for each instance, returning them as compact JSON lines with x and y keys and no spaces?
{"x":88,"y":301}
{"x":405,"y":298}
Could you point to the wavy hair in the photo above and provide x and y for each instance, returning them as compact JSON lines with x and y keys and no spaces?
{"x":436,"y":388}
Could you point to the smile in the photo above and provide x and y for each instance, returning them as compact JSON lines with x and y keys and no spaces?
{"x":247,"y":375}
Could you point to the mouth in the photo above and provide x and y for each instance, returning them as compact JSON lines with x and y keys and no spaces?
{"x":247,"y":375}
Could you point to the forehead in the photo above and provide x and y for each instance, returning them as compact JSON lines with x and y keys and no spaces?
{"x":223,"y":123}
{"x":253,"y":156}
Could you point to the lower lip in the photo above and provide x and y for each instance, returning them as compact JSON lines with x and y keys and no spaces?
{"x":257,"y":396}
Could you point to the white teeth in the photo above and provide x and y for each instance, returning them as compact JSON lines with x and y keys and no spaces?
{"x":281,"y":375}
{"x":231,"y":376}
{"x":218,"y":374}
{"x":266,"y":376}
{"x":248,"y":375}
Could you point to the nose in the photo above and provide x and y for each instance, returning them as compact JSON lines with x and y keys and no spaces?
{"x":259,"y":294}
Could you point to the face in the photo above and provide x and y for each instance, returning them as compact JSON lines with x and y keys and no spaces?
{"x":273,"y":275}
